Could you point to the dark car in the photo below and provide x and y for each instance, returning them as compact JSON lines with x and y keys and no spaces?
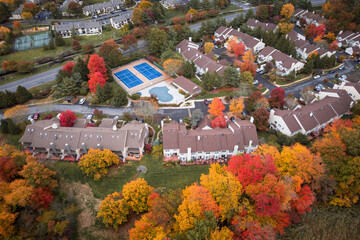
{"x":36,"y":116}
{"x":206,"y":102}
{"x":332,"y":71}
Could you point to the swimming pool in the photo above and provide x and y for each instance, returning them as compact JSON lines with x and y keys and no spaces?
{"x":162,"y":93}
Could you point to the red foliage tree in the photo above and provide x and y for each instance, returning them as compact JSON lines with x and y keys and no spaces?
{"x":334,"y":45}
{"x":68,"y":67}
{"x":9,"y":65}
{"x":95,"y":79}
{"x":239,"y":49}
{"x":8,"y":169}
{"x":128,"y":41}
{"x":219,"y":122}
{"x":277,"y":98}
{"x":148,"y":148}
{"x":320,"y":30}
{"x":178,"y":20}
{"x":304,"y":200}
{"x":310,"y":30}
{"x":67,"y":118}
{"x":261,"y":118}
{"x":41,"y":197}
{"x":76,"y":46}
{"x":97,"y":64}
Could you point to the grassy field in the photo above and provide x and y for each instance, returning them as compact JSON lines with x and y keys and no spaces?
{"x":162,"y":179}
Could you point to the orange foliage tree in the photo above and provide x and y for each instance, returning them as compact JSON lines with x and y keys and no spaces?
{"x":216,"y":107}
{"x":172,"y":66}
{"x":113,"y":210}
{"x":248,"y":66}
{"x":136,"y":194}
{"x":209,"y":47}
{"x":237,"y":106}
{"x":17,"y":112}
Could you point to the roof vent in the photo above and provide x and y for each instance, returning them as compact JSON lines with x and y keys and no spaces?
{"x":132,"y":135}
{"x":54,"y":136}
{"x":41,"y":134}
{"x":311,"y":114}
{"x":114,"y":128}
{"x":54,"y":126}
{"x":198,"y":138}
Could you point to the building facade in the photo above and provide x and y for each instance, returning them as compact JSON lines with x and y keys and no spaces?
{"x":205,"y":142}
{"x":47,"y":136}
{"x":81,"y":28}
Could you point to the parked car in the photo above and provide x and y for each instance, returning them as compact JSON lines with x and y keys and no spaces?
{"x":317,"y":76}
{"x":255,"y":82}
{"x":89,"y":117}
{"x":36,"y":116}
{"x":206,"y":102}
{"x":82,"y":101}
{"x":30,"y":117}
{"x":332,"y":71}
{"x":342,"y":67}
{"x":262,"y":72}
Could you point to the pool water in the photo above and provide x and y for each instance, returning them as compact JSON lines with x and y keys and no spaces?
{"x":162,"y":93}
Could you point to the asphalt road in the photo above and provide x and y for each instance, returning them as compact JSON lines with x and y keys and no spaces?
{"x":32,"y":81}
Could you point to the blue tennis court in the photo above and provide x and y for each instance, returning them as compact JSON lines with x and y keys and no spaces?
{"x":148,"y":71}
{"x":128,"y":78}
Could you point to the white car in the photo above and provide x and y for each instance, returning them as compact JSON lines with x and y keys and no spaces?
{"x":30,"y":117}
{"x":89,"y":117}
{"x":317,"y":76}
{"x":82,"y":101}
{"x":255,"y":82}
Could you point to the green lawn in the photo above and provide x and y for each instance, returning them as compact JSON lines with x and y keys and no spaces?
{"x":163,"y":179}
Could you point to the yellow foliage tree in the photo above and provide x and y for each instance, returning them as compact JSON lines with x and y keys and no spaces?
{"x":20,"y":193}
{"x":146,"y":229}
{"x":287,"y":10}
{"x":265,"y":150}
{"x":26,"y":15}
{"x":157,"y":151}
{"x":237,"y":106}
{"x":136,"y":194}
{"x":113,"y":210}
{"x":137,"y":16}
{"x":223,"y":234}
{"x":10,"y":151}
{"x":197,"y":200}
{"x":96,"y":162}
{"x":172,"y":66}
{"x":209,"y":47}
{"x":3,"y":31}
{"x":144,"y":4}
{"x":8,"y":2}
{"x":318,"y":38}
{"x":124,"y":30}
{"x":7,"y":221}
{"x":17,"y":112}
{"x":331,"y":36}
{"x":285,"y":27}
{"x":226,"y":190}
{"x":192,"y":12}
{"x":249,"y":56}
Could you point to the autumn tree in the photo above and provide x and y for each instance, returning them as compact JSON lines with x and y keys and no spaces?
{"x":219,"y":122}
{"x":285,"y":27}
{"x":68,"y":67}
{"x":136,"y":194}
{"x":225,"y":189}
{"x":109,"y":51}
{"x":16,"y":113}
{"x":246,"y":78}
{"x":7,"y":221}
{"x":24,"y":66}
{"x":128,"y":41}
{"x":334,"y":45}
{"x":41,"y":197}
{"x":8,"y":169}
{"x":113,"y":210}
{"x":310,"y":31}
{"x":9,"y":65}
{"x":277,"y":98}
{"x":75,"y":45}
{"x":209,"y":47}
{"x":197,"y":200}
{"x":287,"y":10}
{"x":96,"y":79}
{"x":248,"y":55}
{"x":252,"y":100}
{"x":216,"y":107}
{"x":222,"y":234}
{"x":261,"y":119}
{"x":26,"y":15}
{"x":233,"y":46}
{"x":97,"y":64}
{"x":172,"y":66}
{"x":88,"y":48}
{"x":97,"y":162}
{"x":248,"y":66}
{"x":145,"y":228}
{"x":75,"y":8}
{"x":19,"y":195}
{"x":191,"y":15}
{"x":237,"y":106}
{"x":37,"y":175}
{"x":262,"y":12}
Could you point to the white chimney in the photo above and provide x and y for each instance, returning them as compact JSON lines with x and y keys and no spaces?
{"x":198,"y":138}
{"x":236,"y":148}
{"x":190,"y":39}
{"x":252,"y":120}
{"x":206,"y":69}
{"x":189,"y":154}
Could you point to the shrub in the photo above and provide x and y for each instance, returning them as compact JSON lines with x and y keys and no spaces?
{"x":326,"y":80}
{"x":24,"y":66}
{"x":44,"y":60}
{"x":135,"y":96}
{"x":49,"y":116}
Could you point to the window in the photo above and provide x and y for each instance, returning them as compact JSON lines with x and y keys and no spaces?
{"x":207,"y":153}
{"x":275,"y":122}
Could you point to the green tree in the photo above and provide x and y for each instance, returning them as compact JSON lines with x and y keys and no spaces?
{"x":262,"y":12}
{"x":206,"y":5}
{"x":59,"y":41}
{"x":308,"y":67}
{"x":249,"y":14}
{"x":189,"y":69}
{"x":22,"y":95}
{"x":246,"y":77}
{"x":103,"y":93}
{"x":68,"y":86}
{"x":120,"y":98}
{"x":203,"y":227}
{"x":232,"y":76}
{"x":4,"y":12}
{"x":81,"y":68}
{"x":156,"y":40}
{"x":196,"y":116}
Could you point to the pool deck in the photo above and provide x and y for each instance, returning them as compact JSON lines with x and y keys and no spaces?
{"x":177,"y":97}
{"x":146,"y":82}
